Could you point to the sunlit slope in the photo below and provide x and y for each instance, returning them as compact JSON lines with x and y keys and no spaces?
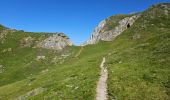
{"x":68,"y":74}
{"x":74,"y":79}
{"x":139,"y":64}
{"x":20,"y":58}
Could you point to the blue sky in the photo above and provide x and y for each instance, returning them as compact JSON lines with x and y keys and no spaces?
{"x":76,"y":18}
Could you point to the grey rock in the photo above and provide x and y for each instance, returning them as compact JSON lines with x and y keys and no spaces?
{"x":31,"y":93}
{"x":27,"y":41}
{"x":40,"y":58}
{"x":2,"y":69}
{"x":166,"y":10}
{"x":7,"y":50}
{"x":100,"y":34}
{"x":3,"y":33}
{"x":136,"y":36}
{"x":55,"y":42}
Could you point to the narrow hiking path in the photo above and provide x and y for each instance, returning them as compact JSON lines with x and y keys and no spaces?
{"x":79,"y":52}
{"x":101,"y":91}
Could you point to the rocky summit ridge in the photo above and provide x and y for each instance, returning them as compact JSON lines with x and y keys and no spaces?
{"x":102,"y":34}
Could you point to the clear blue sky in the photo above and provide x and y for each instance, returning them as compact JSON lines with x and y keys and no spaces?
{"x":76,"y":18}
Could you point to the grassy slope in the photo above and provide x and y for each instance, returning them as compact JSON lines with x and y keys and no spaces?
{"x":21,"y":62}
{"x":138,"y":67}
{"x":75,"y":78}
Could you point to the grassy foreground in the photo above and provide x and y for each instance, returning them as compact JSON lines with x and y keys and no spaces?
{"x":138,"y":62}
{"x":74,"y":78}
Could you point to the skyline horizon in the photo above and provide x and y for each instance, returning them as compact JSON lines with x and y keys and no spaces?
{"x":76,"y":35}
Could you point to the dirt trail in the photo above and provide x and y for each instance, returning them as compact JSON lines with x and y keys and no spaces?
{"x":102,"y":83}
{"x":81,"y":49}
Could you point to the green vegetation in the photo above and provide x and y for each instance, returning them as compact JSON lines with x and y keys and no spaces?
{"x":18,"y":61}
{"x":74,"y":79}
{"x":139,"y":68}
{"x":69,"y":78}
{"x":138,"y":63}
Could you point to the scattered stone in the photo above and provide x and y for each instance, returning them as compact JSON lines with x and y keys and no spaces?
{"x":2,"y":69}
{"x":69,"y":86}
{"x":109,"y":54}
{"x":64,"y":55}
{"x":40,"y":58}
{"x":166,"y":9}
{"x":45,"y":71}
{"x":27,"y":41}
{"x":4,"y":50}
{"x":136,"y":36}
{"x":31,"y":93}
{"x":60,"y":59}
{"x":7,"y":50}
{"x":3,"y":34}
{"x":76,"y":87}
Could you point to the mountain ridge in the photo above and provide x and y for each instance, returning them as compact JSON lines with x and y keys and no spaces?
{"x":56,"y":41}
{"x":137,"y":62}
{"x":102,"y":34}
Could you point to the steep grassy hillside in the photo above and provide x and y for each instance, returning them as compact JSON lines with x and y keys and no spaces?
{"x":68,"y":74}
{"x":138,"y":62}
{"x":74,"y":79}
{"x":19,"y":57}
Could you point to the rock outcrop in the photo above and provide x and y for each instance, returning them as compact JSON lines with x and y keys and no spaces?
{"x":100,"y":34}
{"x":4,"y":32}
{"x":57,"y":41}
{"x":27,"y":41}
{"x":31,"y":93}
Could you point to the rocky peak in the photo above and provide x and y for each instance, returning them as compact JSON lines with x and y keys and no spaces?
{"x":100,"y":32}
{"x":57,"y":41}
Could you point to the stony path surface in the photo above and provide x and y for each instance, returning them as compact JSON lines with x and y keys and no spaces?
{"x":101,"y":91}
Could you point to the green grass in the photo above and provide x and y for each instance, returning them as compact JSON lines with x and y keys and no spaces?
{"x":138,"y":63}
{"x":74,"y":79}
{"x":21,"y":62}
{"x":140,"y":68}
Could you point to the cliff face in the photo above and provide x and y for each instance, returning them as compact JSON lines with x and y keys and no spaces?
{"x":56,"y":42}
{"x":102,"y":31}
